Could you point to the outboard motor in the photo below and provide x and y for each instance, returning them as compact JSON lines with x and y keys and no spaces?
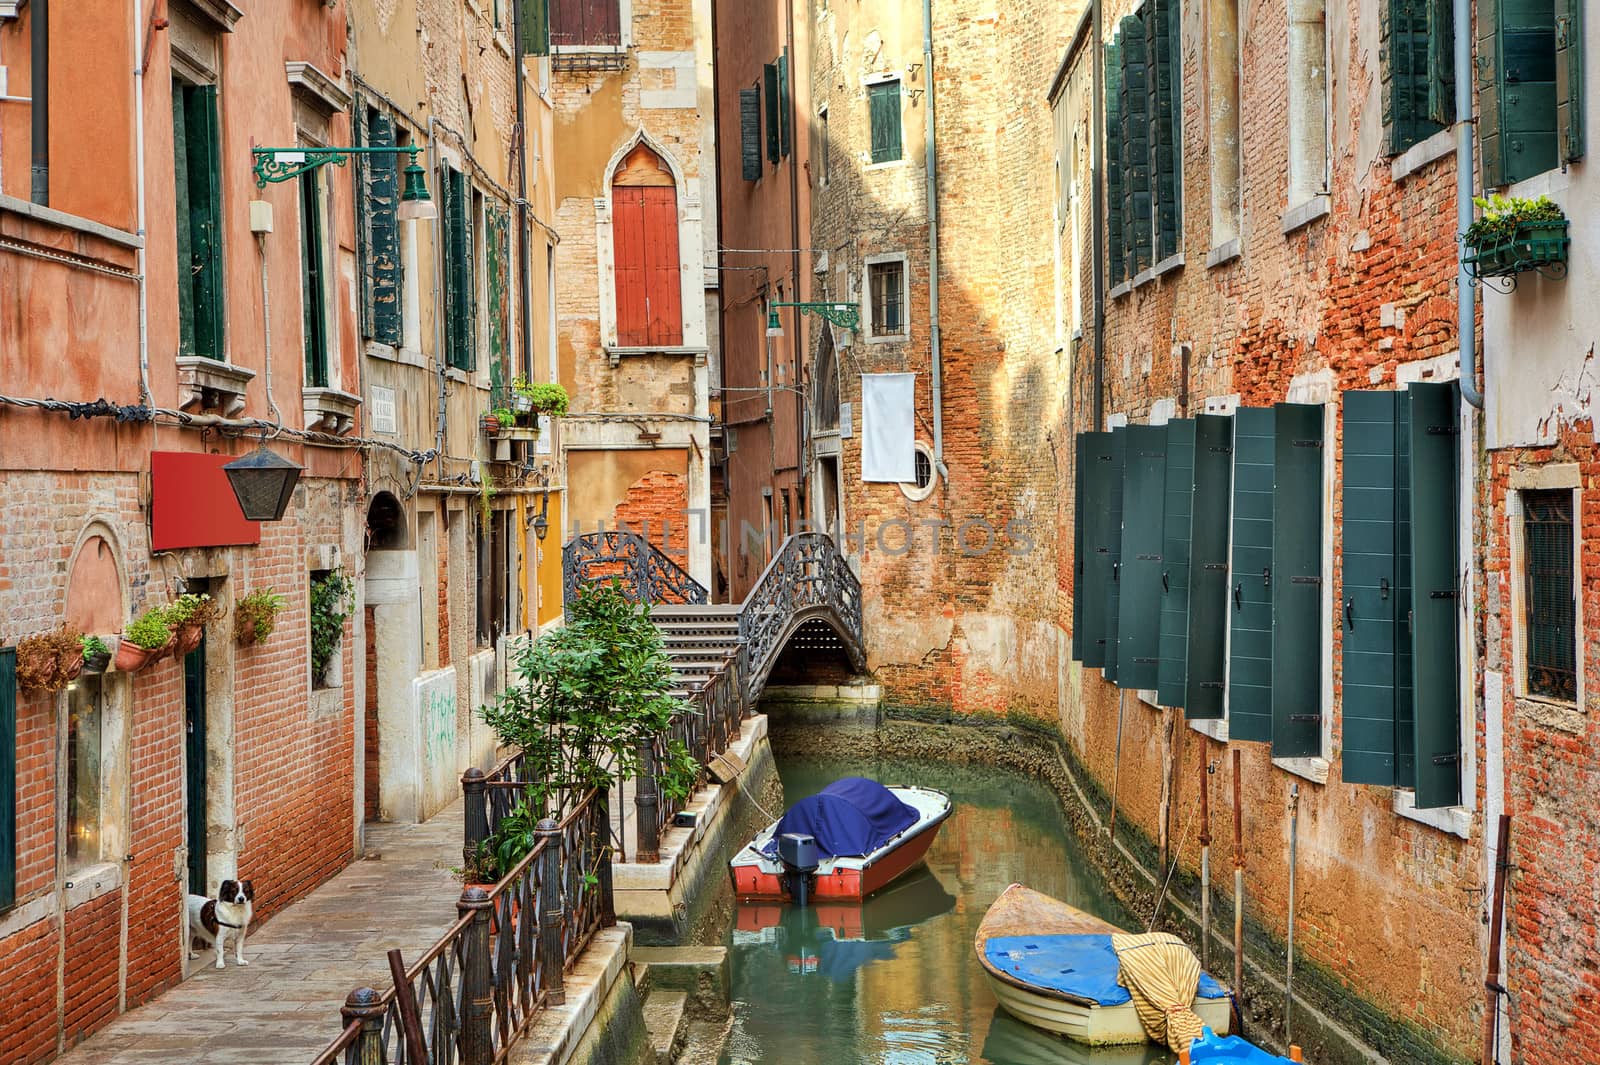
{"x":798,"y":853}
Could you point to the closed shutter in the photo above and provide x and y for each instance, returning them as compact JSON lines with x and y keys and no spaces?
{"x":8,"y":778}
{"x":1297,"y":582}
{"x":1143,"y":536}
{"x":750,"y":134}
{"x":458,"y":275}
{"x":203,"y":145}
{"x":313,"y":282}
{"x":1375,"y":656}
{"x":785,"y":105}
{"x":535,"y":25}
{"x":1102,"y":543}
{"x":663,"y":294}
{"x":1135,"y":146}
{"x":1486,"y":73}
{"x":1115,"y":264}
{"x":1519,"y":66}
{"x":1404,"y":45}
{"x":497,"y":240}
{"x":1250,"y":619}
{"x":1164,"y":65}
{"x":627,"y":228}
{"x":1080,"y":516}
{"x":469,"y":277}
{"x":1113,"y":541}
{"x":1176,"y":515}
{"x":1206,"y":669}
{"x":884,"y":113}
{"x":1441,"y":65}
{"x":1569,"y":78}
{"x":382,"y":265}
{"x":769,"y":83}
{"x":1436,"y":608}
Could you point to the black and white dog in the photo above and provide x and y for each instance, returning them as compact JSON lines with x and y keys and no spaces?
{"x":213,"y":920}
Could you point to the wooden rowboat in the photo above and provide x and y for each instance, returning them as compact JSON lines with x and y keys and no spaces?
{"x":1020,"y":921}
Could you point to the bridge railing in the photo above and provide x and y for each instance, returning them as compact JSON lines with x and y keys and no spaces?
{"x":808,"y":574}
{"x":646,"y":574}
{"x":503,"y":962}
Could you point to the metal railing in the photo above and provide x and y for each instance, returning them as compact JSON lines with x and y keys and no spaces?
{"x":807,"y":578}
{"x":645,"y":573}
{"x":502,"y":962}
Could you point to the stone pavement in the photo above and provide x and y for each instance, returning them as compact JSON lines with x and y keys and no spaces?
{"x":283,"y":1007}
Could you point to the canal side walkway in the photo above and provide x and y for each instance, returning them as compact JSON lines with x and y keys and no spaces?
{"x":283,"y":1007}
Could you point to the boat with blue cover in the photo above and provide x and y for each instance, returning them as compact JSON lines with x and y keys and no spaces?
{"x":1055,"y":967}
{"x":1213,"y":1049}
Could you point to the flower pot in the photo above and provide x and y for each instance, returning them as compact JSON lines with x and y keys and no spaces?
{"x":36,"y":667}
{"x":490,"y":423}
{"x":67,"y":669}
{"x":131,"y":657}
{"x":521,"y":404}
{"x":188,"y":637}
{"x":97,"y":663}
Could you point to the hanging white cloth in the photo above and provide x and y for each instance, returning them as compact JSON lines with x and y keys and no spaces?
{"x":888,"y":427}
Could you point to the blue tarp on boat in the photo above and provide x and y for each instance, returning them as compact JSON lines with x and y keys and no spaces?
{"x":1230,"y":1051}
{"x":850,"y":818}
{"x":1084,"y":967}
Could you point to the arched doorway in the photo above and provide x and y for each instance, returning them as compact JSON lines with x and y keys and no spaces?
{"x":392,"y":660}
{"x":644,"y":237}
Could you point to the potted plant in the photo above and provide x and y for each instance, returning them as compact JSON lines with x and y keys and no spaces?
{"x":521,"y":396}
{"x":331,"y":600}
{"x":549,"y":398}
{"x":254,"y":616}
{"x":512,"y":840}
{"x":96,"y":653}
{"x":187,"y":617}
{"x":497,"y":419}
{"x":1512,"y":234}
{"x":145,"y":641}
{"x":49,"y":661}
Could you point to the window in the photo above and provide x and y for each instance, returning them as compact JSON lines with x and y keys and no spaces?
{"x":883,"y":105}
{"x":491,"y":577}
{"x":1416,"y":49}
{"x":769,"y":83}
{"x":1143,"y":101}
{"x":1550,"y":634}
{"x":581,"y":23}
{"x":535,"y":26}
{"x":921,"y":485}
{"x":1530,"y":87}
{"x":8,"y":778}
{"x":331,"y":596}
{"x":382,"y":272}
{"x":461,"y":308}
{"x":198,"y":185}
{"x":644,"y":216}
{"x":750,"y":133}
{"x":85,"y":724}
{"x":313,"y":280}
{"x":1308,"y":100}
{"x":886,"y":291}
{"x":825,"y":144}
{"x":1222,"y":79}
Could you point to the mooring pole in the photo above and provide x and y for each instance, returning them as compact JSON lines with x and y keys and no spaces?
{"x":1288,"y":975}
{"x":1491,"y":984}
{"x":1205,"y":859}
{"x":1238,"y":893}
{"x":1116,"y":772}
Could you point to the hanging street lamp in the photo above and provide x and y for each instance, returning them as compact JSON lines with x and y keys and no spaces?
{"x":843,"y":315}
{"x":263,"y":481}
{"x":284,"y":164}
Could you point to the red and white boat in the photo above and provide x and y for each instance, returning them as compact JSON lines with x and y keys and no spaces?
{"x":854,"y":837}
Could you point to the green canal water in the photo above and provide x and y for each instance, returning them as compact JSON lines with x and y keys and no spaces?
{"x":894,"y":981}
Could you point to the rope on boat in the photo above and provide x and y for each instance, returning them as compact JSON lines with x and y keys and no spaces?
{"x":1162,"y":975}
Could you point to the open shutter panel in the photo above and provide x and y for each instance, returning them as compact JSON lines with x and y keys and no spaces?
{"x":1135,"y":146}
{"x":455,"y":261}
{"x":769,"y":85}
{"x":362,"y":173}
{"x":496,"y":230}
{"x":1164,"y":70}
{"x":180,"y":156}
{"x":383,"y":232}
{"x":469,"y":268}
{"x":1080,"y":516}
{"x":1527,"y":53}
{"x":1375,"y":660}
{"x":750,"y":134}
{"x":1297,"y":582}
{"x":1115,"y":264}
{"x":1112,"y":591}
{"x":1143,"y":534}
{"x":205,"y":206}
{"x":1486,"y":71}
{"x":8,"y":777}
{"x":1102,"y":541}
{"x":1569,"y":78}
{"x":535,"y":18}
{"x":1176,"y":514}
{"x":1441,"y":68}
{"x":1404,"y":45}
{"x":1436,"y":608}
{"x":1250,"y":600}
{"x":1206,"y":669}
{"x":785,"y":106}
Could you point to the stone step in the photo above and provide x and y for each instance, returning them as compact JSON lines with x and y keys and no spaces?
{"x":700,"y":972}
{"x":666,"y":1018}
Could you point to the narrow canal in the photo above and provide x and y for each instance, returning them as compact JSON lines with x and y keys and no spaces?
{"x":895,"y":981}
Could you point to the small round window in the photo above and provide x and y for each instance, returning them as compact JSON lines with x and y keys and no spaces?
{"x":922,"y":487}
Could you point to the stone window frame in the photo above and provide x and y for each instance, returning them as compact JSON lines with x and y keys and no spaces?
{"x":879,"y":77}
{"x":867,"y":263}
{"x":327,"y":700}
{"x":910,"y":489}
{"x":1524,"y":478}
{"x":104,"y":874}
{"x":625,"y":43}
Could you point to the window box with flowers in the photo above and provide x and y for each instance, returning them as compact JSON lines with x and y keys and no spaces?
{"x":1512,"y":236}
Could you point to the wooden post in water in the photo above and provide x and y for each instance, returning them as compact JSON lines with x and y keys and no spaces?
{"x":1116,"y":772}
{"x":1288,"y":973}
{"x":1491,"y":984}
{"x":1238,"y":892}
{"x":1205,"y":859}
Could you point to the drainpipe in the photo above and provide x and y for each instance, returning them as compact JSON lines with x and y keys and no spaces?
{"x":930,"y":161}
{"x":40,"y":26}
{"x":524,"y":275}
{"x":139,"y":30}
{"x":1098,"y":204}
{"x":1466,"y":316}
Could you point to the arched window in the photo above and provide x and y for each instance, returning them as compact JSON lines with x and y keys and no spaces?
{"x":645,"y":244}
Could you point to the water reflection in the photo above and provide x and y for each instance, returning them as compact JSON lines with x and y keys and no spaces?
{"x":893,"y":981}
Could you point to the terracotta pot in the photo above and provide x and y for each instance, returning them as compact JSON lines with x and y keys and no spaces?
{"x":67,"y":669}
{"x":131,"y":657}
{"x":188,"y":637}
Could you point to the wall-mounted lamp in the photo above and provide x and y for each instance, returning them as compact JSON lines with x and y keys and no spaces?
{"x":263,"y":482}
{"x":843,"y":315}
{"x":283,"y":164}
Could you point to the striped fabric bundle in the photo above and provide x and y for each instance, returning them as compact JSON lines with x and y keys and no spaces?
{"x":1161,"y":974}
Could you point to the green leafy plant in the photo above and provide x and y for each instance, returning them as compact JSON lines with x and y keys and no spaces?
{"x":586,"y":697}
{"x":505,"y":416}
{"x":255,"y":614}
{"x":150,"y":631}
{"x":1500,"y":215}
{"x":190,"y":608}
{"x":486,"y":495}
{"x":332,"y":596}
{"x":548,"y":398}
{"x":92,"y":647}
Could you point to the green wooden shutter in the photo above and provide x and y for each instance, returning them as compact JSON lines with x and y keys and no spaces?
{"x":1115,"y":264}
{"x":203,"y":145}
{"x":785,"y":105}
{"x":8,"y":778}
{"x":1080,"y":516}
{"x":361,"y":173}
{"x":1177,"y":511}
{"x":1102,"y":545}
{"x":750,"y":134}
{"x":382,"y":266}
{"x":1164,"y":65}
{"x":1143,"y":535}
{"x":1135,"y":146}
{"x":535,"y":18}
{"x":1436,"y":609}
{"x":1297,"y":638}
{"x":469,"y":277}
{"x":1375,"y":658}
{"x":769,"y":83}
{"x":180,"y":165}
{"x":1569,"y":78}
{"x":313,"y":282}
{"x":1517,"y":89}
{"x":1206,"y":669}
{"x":1404,"y":47}
{"x":454,"y":256}
{"x":1441,"y":65}
{"x":884,"y":113}
{"x":497,"y":252}
{"x":1113,"y":547}
{"x":1250,"y":617}
{"x":1486,"y":74}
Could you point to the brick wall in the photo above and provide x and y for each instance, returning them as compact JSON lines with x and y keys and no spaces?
{"x":651,"y":498}
{"x":90,"y":974}
{"x":28,"y":985}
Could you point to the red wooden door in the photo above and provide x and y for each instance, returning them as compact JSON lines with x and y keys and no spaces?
{"x":662,"y":286}
{"x":627,"y":227}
